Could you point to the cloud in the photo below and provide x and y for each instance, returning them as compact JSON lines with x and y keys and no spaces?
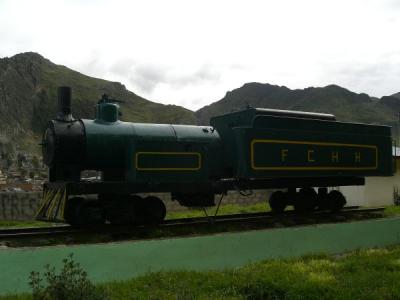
{"x":144,"y":76}
{"x":391,"y":4}
{"x":190,"y":54}
{"x":376,"y":77}
{"x":200,"y":75}
{"x":148,"y":76}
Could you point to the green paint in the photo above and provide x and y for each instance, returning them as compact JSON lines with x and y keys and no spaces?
{"x":153,"y":142}
{"x":238,"y":131}
{"x":106,"y":262}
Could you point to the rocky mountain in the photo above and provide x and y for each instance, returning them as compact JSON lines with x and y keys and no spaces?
{"x":344,"y":104}
{"x":28,"y":92}
{"x":397,"y":95}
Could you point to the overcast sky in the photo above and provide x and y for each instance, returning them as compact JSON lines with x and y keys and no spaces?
{"x":190,"y":53}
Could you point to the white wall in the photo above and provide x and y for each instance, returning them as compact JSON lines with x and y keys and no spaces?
{"x":378,"y":191}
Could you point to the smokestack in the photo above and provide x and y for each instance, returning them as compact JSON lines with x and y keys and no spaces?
{"x":64,"y":104}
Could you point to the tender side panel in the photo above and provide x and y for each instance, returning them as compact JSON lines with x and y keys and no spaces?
{"x":313,"y":156}
{"x":281,"y":153}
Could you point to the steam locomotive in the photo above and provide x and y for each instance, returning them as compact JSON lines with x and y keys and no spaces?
{"x":299,"y":154}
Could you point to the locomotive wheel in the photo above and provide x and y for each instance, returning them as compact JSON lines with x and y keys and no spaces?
{"x":305,"y":200}
{"x":72,"y":209}
{"x":79,"y":212}
{"x":122,"y":211}
{"x":91,"y":213}
{"x":155,"y":209}
{"x":278,"y":201}
{"x":133,"y":209}
{"x":336,"y":200}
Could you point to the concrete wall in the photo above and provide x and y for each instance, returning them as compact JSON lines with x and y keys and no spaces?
{"x":18,"y":206}
{"x":378,"y":191}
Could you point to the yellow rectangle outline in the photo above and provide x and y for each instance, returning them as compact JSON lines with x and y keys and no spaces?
{"x":198,"y":154}
{"x":254,"y":167}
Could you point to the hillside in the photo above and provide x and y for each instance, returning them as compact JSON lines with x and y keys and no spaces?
{"x":346,"y":105}
{"x":397,"y":95}
{"x":28,"y":89}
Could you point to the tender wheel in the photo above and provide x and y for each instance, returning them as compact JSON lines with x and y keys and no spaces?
{"x":336,"y":200}
{"x":139,"y":214}
{"x":305,"y":200}
{"x":278,"y":201}
{"x":322,"y":199}
{"x":155,"y":209}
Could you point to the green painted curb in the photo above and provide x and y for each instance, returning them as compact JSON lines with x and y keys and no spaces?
{"x":116,"y":261}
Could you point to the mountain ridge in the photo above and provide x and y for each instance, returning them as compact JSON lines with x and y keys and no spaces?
{"x":343,"y":103}
{"x":28,"y":89}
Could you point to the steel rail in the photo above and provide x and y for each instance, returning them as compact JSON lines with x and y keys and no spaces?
{"x":210,"y":218}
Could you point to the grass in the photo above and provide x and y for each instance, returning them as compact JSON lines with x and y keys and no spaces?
{"x":225,"y":209}
{"x":370,"y":274}
{"x":392,"y":211}
{"x":363,"y":274}
{"x":228,"y":209}
{"x":22,"y":224}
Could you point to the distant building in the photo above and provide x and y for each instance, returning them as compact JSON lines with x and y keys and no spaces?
{"x":377,"y":191}
{"x":3,"y":178}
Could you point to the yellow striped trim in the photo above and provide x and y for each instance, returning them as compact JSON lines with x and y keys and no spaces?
{"x":197,"y":154}
{"x":46,"y":198}
{"x":53,"y":203}
{"x":304,"y":168}
{"x":64,"y":201}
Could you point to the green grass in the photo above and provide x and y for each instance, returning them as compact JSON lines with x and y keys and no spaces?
{"x":365,"y":274}
{"x":392,"y":211}
{"x":370,"y":274}
{"x":22,"y":224}
{"x":228,"y":209}
{"x":225,"y":209}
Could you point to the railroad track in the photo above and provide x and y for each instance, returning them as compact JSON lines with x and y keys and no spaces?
{"x":186,"y":226}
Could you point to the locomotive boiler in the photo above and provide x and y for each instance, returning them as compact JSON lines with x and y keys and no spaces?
{"x":299,"y":154}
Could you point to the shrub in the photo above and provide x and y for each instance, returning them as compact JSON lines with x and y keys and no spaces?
{"x":70,"y":284}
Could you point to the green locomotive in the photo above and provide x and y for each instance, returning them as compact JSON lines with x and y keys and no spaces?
{"x":296,"y":152}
